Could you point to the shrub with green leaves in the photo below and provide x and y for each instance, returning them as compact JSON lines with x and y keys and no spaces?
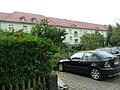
{"x":24,"y":58}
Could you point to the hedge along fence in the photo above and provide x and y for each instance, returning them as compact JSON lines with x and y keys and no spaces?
{"x":24,"y":58}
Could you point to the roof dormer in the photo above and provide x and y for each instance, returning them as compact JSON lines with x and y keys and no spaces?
{"x":33,"y":19}
{"x":22,"y":18}
{"x":97,"y":28}
{"x":73,"y":25}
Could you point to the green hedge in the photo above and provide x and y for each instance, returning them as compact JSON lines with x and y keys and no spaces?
{"x":24,"y":58}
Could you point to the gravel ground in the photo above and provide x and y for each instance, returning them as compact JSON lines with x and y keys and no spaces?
{"x":80,"y":82}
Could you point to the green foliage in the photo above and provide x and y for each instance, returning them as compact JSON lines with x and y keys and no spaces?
{"x":115,"y":38}
{"x":22,"y":58}
{"x":4,"y":33}
{"x":109,"y":34}
{"x":43,"y":29}
{"x":79,"y":47}
{"x":92,"y":41}
{"x":62,"y":53}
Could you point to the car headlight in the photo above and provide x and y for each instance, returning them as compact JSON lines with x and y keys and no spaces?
{"x":107,"y":64}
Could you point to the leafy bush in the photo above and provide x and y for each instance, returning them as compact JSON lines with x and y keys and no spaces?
{"x":92,"y":41}
{"x":22,"y":58}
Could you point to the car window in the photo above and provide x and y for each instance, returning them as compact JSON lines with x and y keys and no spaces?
{"x":77,"y":56}
{"x":108,"y":50}
{"x":104,"y":49}
{"x":104,"y":55}
{"x":89,"y":56}
{"x":115,"y":51}
{"x":118,"y":47}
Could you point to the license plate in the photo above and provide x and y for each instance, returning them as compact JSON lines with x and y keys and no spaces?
{"x":116,"y":62}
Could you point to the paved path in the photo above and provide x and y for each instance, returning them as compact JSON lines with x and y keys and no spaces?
{"x":80,"y":82}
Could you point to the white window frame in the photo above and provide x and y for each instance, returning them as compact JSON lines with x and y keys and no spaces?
{"x":25,"y":28}
{"x":11,"y":27}
{"x":76,"y":41}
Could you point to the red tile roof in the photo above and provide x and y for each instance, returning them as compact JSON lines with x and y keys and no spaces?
{"x":77,"y":24}
{"x":3,"y":15}
{"x":15,"y":16}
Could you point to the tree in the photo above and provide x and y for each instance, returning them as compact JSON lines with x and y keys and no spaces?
{"x":43,"y":29}
{"x":92,"y":41}
{"x":109,"y":34}
{"x":115,"y":38}
{"x":56,"y":34}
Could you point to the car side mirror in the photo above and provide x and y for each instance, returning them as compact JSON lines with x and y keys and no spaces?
{"x":69,"y":59}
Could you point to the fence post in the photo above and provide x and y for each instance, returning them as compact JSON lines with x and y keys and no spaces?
{"x":23,"y":85}
{"x":29,"y":84}
{"x":52,"y":82}
{"x":39,"y":81}
{"x":10,"y":87}
{"x":3,"y":87}
{"x":17,"y":86}
{"x":44,"y":83}
{"x":34,"y":83}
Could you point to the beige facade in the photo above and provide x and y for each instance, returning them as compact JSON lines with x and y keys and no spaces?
{"x":16,"y":26}
{"x":74,"y":35}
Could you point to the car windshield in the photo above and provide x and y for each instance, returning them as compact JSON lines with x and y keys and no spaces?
{"x":104,"y":55}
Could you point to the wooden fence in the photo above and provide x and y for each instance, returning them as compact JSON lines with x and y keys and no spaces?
{"x":39,"y":83}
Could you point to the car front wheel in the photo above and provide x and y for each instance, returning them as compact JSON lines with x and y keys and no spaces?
{"x":60,"y":67}
{"x":95,"y":74}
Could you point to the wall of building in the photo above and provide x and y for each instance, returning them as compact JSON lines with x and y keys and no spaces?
{"x":70,"y":39}
{"x":16,"y":26}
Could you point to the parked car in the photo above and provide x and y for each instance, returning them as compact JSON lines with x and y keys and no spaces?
{"x":117,"y":47}
{"x":97,"y":64}
{"x":112,"y":50}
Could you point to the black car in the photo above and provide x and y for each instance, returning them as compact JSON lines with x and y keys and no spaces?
{"x":97,"y":64}
{"x":111,"y":50}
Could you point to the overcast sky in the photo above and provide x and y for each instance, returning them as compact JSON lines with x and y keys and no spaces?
{"x":92,"y":11}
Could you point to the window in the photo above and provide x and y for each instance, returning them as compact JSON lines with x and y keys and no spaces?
{"x":81,"y":32}
{"x":11,"y":27}
{"x":92,"y":31}
{"x":77,"y":56}
{"x":70,"y":31}
{"x":115,"y":51}
{"x":104,"y":55}
{"x":73,"y":25}
{"x":25,"y":28}
{"x":85,"y":31}
{"x":88,"y":56}
{"x":70,"y":38}
{"x":22,"y":18}
{"x":33,"y":19}
{"x":75,"y":34}
{"x":76,"y":41}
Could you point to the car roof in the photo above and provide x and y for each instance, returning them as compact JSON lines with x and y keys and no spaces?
{"x":103,"y":49}
{"x":92,"y":51}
